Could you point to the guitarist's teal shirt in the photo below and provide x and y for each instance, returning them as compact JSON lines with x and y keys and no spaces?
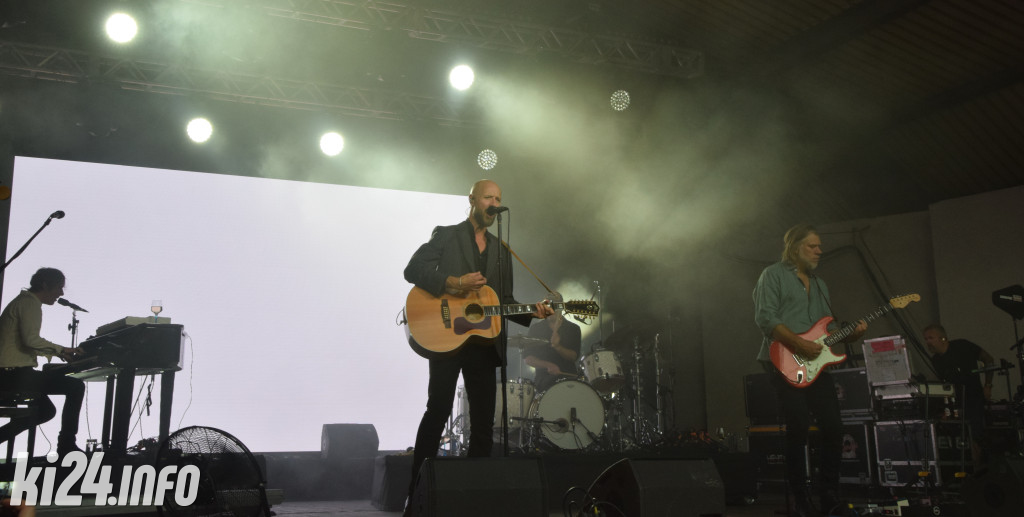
{"x":780,"y":298}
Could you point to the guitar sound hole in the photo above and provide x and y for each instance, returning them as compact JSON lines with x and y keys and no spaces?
{"x":474,"y":313}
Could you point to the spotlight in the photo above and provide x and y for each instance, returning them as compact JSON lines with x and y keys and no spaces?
{"x":199,"y":130}
{"x":332,"y":143}
{"x":121,"y":28}
{"x":487,"y":159}
{"x":461,"y":77}
{"x":620,"y":100}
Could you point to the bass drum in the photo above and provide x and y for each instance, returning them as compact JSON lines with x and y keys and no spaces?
{"x":572,"y":414}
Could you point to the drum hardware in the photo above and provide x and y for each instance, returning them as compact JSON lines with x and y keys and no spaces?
{"x":561,"y":422}
{"x":642,"y":431}
{"x":657,"y":387}
{"x":456,"y":432}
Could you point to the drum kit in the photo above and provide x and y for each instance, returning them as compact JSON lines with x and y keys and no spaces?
{"x":613,"y":402}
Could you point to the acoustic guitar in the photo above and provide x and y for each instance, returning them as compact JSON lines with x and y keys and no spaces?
{"x":440,"y":326}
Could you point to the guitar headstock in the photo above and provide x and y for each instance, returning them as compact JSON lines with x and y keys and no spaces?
{"x":900,"y":302}
{"x":586,"y":308}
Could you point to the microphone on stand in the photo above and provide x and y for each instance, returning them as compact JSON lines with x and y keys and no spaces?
{"x":492,"y":210}
{"x":66,"y":303}
{"x":59,"y":214}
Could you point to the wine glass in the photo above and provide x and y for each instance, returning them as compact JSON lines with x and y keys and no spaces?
{"x":157,"y":307}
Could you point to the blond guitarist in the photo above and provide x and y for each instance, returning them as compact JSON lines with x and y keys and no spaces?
{"x":458,"y":259}
{"x":788,"y":300}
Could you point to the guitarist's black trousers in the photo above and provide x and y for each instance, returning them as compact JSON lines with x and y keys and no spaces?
{"x":797,"y":406}
{"x":477,"y":363}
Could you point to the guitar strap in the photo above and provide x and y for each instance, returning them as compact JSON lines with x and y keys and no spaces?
{"x":823,"y":297}
{"x":550,"y":290}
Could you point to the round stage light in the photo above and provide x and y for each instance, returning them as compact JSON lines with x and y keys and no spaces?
{"x":620,"y":100}
{"x":332,"y":143}
{"x":199,"y":130}
{"x":121,"y":28}
{"x":487,"y":159}
{"x":461,"y":77}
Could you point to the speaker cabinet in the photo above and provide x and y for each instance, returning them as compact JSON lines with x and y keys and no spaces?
{"x":345,"y":441}
{"x":656,"y":487}
{"x":999,"y":490}
{"x":391,"y":482}
{"x":762,"y":402}
{"x":470,"y":487}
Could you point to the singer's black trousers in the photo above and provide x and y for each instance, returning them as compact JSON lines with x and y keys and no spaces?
{"x":477,"y":364}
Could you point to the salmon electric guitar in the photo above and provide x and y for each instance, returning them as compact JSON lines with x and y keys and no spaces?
{"x":440,"y":326}
{"x":800,"y":371}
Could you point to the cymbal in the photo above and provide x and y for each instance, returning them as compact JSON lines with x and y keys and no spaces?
{"x":524,"y":342}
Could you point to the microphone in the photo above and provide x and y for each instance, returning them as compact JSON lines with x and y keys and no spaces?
{"x":66,"y":303}
{"x":59,"y":214}
{"x":491,"y":210}
{"x":572,"y":415}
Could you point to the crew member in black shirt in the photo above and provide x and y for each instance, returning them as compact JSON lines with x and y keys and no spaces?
{"x":954,"y":361}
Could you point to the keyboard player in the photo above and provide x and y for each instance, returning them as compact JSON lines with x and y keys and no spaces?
{"x":20,"y":347}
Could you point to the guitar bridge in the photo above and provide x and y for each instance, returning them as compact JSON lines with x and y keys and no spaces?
{"x":446,"y":314}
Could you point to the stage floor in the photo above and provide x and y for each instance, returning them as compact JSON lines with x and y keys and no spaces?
{"x":763,"y":507}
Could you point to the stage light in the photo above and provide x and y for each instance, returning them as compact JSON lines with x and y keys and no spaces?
{"x":199,"y":130}
{"x":332,"y":143}
{"x":461,"y":77}
{"x":620,"y":100}
{"x":121,"y":27}
{"x":487,"y":159}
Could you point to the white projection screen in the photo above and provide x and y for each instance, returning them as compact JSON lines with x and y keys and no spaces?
{"x":289,"y":291}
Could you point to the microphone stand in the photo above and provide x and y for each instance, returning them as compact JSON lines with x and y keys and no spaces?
{"x":503,"y":346}
{"x":29,"y":241}
{"x":73,"y":327}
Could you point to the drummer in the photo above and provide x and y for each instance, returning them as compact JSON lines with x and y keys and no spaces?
{"x":556,"y":359}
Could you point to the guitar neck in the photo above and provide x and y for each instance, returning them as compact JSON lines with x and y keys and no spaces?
{"x":845,"y":332}
{"x":513,"y":309}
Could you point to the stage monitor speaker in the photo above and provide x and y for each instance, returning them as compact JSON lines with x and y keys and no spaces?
{"x":470,"y":487}
{"x":656,"y":487}
{"x":346,"y":441}
{"x":998,"y":491}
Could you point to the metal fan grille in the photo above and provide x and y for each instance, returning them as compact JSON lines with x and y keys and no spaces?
{"x":230,"y":481}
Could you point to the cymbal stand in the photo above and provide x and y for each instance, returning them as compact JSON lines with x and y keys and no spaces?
{"x":637,"y":389}
{"x":642,"y":432}
{"x":657,"y":386}
{"x":618,"y":442}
